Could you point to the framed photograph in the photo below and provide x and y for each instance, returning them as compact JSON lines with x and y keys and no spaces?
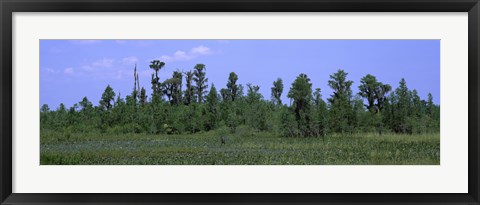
{"x":263,"y":102}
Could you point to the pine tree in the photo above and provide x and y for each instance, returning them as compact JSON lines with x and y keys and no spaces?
{"x":212,"y":109}
{"x":201,"y":82}
{"x":341,"y":110}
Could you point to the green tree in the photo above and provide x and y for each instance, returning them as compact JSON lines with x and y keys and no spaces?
{"x":212,"y":109}
{"x":107,"y":98}
{"x":301,"y":93}
{"x":375,"y":93}
{"x":320,"y":113}
{"x":225,"y":94}
{"x":232,"y":85}
{"x":433,"y":114}
{"x":372,"y":91}
{"x":277,"y":91}
{"x":61,"y":108}
{"x":288,"y":124}
{"x":255,"y":110}
{"x":60,"y":117}
{"x":252,"y":93}
{"x":417,"y":107}
{"x":173,"y":88}
{"x":177,"y":88}
{"x":85,"y":104}
{"x":44,"y":116}
{"x":367,"y":90}
{"x":430,"y":105}
{"x":72,"y":115}
{"x":136,"y":85}
{"x":194,"y":110}
{"x":402,"y":108}
{"x":190,"y":90}
{"x":341,"y":110}
{"x":201,"y":82}
{"x":44,"y":108}
{"x":240,"y":91}
{"x":381,"y":92}
{"x":118,"y":113}
{"x":156,"y":65}
{"x":143,"y":97}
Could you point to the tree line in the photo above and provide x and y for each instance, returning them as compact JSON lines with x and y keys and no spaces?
{"x":201,"y":107}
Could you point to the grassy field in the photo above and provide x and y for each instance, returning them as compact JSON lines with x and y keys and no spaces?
{"x":242,"y":148}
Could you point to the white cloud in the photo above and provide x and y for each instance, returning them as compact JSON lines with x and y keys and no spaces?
{"x":130,"y":60}
{"x":50,"y":70}
{"x":68,"y":71}
{"x":84,"y":42}
{"x":105,"y":62}
{"x":184,"y":56}
{"x":201,"y":50}
{"x":166,"y":58}
{"x":177,"y":56}
{"x":101,"y":63}
{"x":181,"y":55}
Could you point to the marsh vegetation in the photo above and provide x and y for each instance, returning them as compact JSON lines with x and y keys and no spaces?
{"x":186,"y":120}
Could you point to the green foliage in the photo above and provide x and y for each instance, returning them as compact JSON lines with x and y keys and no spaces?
{"x":256,"y":110}
{"x":107,"y":98}
{"x":172,"y":110}
{"x":301,"y":93}
{"x":402,"y":102}
{"x":173,"y":88}
{"x":372,"y":91}
{"x":143,"y":97}
{"x":342,"y":115}
{"x":381,"y":92}
{"x":367,"y":90}
{"x":277,"y":91}
{"x":156,"y":65}
{"x":225,"y":94}
{"x":375,"y":93}
{"x":44,"y":108}
{"x":288,"y":123}
{"x":211,"y":113}
{"x":86,"y":105}
{"x":200,"y":81}
{"x":320,"y":114}
{"x":232,"y":121}
{"x":232,"y":86}
{"x":189,"y":92}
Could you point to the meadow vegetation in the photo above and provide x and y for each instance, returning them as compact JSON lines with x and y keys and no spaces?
{"x":241,"y":148}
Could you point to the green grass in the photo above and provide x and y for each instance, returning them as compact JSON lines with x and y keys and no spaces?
{"x":242,"y":148}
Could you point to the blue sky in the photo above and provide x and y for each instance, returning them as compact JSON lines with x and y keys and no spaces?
{"x":72,"y":69}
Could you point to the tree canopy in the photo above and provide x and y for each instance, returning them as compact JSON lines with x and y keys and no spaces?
{"x":174,"y":109}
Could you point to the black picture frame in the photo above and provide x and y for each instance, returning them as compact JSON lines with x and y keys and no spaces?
{"x":7,"y":7}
